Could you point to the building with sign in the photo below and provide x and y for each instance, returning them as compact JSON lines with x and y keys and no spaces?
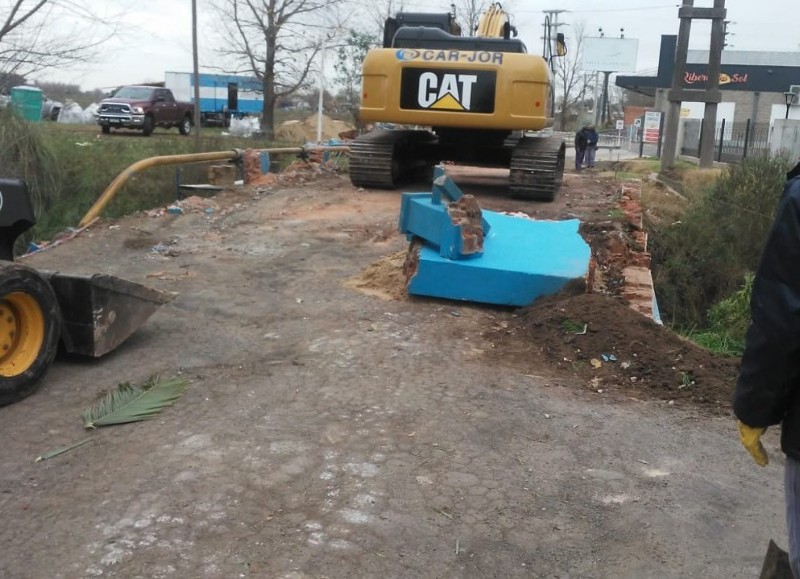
{"x":752,"y":83}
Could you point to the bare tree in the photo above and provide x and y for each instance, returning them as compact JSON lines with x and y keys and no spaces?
{"x":468,"y":13}
{"x":39,"y":34}
{"x":277,"y":42}
{"x":378,"y":11}
{"x":571,"y":82}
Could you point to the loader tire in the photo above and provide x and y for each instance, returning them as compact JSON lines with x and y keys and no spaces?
{"x":30,"y":325}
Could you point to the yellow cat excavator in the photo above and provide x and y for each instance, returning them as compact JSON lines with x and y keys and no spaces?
{"x":484,"y":99}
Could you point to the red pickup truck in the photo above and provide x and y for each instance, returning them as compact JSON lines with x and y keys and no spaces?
{"x":144,"y":108}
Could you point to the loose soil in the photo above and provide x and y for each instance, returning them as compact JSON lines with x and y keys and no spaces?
{"x":605,"y":346}
{"x":335,"y":427}
{"x":592,"y":339}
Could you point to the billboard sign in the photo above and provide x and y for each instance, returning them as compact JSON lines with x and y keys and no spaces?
{"x":610,"y":54}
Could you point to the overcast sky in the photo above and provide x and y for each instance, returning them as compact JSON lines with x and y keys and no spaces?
{"x":156,"y":36}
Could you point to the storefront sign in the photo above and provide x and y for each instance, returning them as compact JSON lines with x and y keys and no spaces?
{"x":691,"y":78}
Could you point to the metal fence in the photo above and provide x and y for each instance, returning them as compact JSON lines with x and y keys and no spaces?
{"x":733,"y":142}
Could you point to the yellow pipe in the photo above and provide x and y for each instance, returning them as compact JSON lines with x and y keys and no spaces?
{"x":122,"y":178}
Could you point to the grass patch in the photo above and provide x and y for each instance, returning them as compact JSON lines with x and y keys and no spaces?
{"x":84,"y":163}
{"x":572,"y":327}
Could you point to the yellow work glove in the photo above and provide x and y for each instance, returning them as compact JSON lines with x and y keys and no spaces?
{"x":751,"y":440}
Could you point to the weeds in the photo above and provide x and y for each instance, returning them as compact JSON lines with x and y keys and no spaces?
{"x":702,"y":258}
{"x":573,"y":327}
{"x":67,"y":167}
{"x":24,"y":154}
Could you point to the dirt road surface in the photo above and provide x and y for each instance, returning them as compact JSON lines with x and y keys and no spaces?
{"x":329,"y":432}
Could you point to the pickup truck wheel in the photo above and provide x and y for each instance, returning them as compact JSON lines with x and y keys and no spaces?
{"x":106,"y":129}
{"x":30,"y":325}
{"x":148,"y":126}
{"x":186,"y":126}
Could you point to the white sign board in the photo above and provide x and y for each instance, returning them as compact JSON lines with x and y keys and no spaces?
{"x":652,"y":124}
{"x":620,"y":124}
{"x":610,"y":54}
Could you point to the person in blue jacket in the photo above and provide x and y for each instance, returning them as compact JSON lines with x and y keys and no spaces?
{"x":591,"y":144}
{"x":768,"y":387}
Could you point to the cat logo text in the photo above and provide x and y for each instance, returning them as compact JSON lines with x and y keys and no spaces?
{"x":448,"y":90}
{"x":451,"y":91}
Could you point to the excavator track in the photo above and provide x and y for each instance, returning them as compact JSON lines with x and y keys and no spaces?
{"x":385,"y":158}
{"x":537,"y":168}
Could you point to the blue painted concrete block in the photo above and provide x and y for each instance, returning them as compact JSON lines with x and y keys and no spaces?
{"x":421,"y":216}
{"x":523,"y":260}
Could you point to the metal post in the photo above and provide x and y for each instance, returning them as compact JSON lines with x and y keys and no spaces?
{"x":746,"y":139}
{"x":700,"y":138}
{"x":721,"y":140}
{"x":641,"y":139}
{"x":321,"y":91}
{"x":597,"y":98}
{"x":660,"y":136}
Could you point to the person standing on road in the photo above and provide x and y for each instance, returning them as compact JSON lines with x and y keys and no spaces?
{"x":591,"y":144}
{"x":580,"y":148}
{"x":768,"y":386}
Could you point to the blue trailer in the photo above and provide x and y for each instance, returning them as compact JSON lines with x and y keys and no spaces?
{"x":222,"y":96}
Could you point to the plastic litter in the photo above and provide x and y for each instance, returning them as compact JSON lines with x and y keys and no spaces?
{"x":245,"y":127}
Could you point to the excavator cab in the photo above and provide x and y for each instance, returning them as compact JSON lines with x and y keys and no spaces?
{"x":89,"y":315}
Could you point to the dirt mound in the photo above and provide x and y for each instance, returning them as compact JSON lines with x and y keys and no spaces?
{"x":597,"y":338}
{"x":600,"y":339}
{"x":384,"y":278}
{"x":305,"y":131}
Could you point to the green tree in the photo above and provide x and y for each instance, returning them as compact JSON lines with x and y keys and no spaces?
{"x":348,"y":69}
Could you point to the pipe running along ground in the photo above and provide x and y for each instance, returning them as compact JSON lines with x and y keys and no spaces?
{"x":232,"y":155}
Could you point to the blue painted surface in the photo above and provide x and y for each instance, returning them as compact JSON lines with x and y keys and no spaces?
{"x":250,"y":90}
{"x":444,"y":186}
{"x":424,"y":215}
{"x":656,"y":312}
{"x":523,"y":260}
{"x":421,"y":216}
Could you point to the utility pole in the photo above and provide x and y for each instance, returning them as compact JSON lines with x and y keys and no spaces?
{"x":551,"y":20}
{"x":196,"y":76}
{"x":709,"y":95}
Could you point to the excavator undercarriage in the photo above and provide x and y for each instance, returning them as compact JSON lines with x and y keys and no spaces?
{"x":387,"y":158}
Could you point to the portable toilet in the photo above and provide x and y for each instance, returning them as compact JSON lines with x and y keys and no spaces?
{"x":27,"y":101}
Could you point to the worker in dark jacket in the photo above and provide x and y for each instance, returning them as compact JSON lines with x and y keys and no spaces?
{"x":580,"y":147}
{"x":768,"y":387}
{"x":591,"y":144}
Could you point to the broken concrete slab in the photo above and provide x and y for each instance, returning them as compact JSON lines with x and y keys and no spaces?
{"x":523,"y":259}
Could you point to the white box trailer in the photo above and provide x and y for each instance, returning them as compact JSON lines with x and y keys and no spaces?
{"x":222,"y":96}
